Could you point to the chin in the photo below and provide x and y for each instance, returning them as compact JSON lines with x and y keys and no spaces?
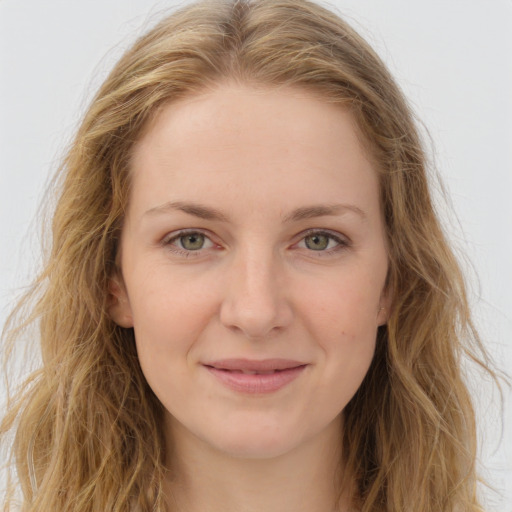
{"x":255,"y":442}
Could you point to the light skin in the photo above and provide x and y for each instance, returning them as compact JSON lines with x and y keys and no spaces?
{"x":284,"y":257}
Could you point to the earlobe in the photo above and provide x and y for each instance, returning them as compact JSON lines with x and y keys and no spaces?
{"x":119,"y":307}
{"x":382,"y":317}
{"x":384,"y":307}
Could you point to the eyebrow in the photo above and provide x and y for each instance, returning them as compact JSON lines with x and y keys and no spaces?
{"x":207,"y":213}
{"x":310,"y":212}
{"x":195,"y":209}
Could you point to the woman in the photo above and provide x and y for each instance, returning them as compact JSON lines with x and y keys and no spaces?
{"x":249,"y":303}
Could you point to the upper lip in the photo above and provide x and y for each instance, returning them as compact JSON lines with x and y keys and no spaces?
{"x":264,"y":365}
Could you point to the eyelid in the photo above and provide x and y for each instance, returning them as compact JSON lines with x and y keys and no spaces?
{"x":173,"y":235}
{"x":167,"y":242}
{"x":342,"y":240}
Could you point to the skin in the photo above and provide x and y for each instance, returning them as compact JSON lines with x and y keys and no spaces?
{"x":255,"y":289}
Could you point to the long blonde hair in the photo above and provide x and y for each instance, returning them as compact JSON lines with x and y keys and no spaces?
{"x":88,"y":429}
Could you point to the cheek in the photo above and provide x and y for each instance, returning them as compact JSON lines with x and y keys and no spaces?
{"x":167,"y":327}
{"x":349,"y":304}
{"x":342,"y":317}
{"x":168,"y":318}
{"x":347,"y":347}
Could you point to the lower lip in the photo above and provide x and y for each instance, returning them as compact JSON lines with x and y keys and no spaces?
{"x":256,"y":383}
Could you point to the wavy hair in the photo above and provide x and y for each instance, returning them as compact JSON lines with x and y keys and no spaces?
{"x":88,"y":429}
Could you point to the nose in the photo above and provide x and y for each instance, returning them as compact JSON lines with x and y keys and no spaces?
{"x":254,"y":301}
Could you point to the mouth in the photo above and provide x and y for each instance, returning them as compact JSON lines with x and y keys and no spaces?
{"x":250,"y":372}
{"x":256,"y":377}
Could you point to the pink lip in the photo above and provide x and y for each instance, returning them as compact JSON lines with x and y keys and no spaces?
{"x":230,"y":372}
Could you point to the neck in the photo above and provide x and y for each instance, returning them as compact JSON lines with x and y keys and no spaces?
{"x":306,"y":479}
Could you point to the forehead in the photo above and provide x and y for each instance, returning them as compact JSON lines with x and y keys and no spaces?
{"x":223,"y":113}
{"x":281,"y":144}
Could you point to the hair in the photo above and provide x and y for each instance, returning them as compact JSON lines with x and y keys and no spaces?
{"x":88,"y":429}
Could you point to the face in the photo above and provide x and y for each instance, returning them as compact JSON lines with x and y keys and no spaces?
{"x":253,"y":262}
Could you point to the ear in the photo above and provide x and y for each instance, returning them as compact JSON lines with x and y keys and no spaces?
{"x":119,"y":307}
{"x":385,"y":304}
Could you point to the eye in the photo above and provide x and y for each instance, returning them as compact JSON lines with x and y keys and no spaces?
{"x":186,"y":242}
{"x":317,"y":242}
{"x":192,"y":241}
{"x":322,"y":241}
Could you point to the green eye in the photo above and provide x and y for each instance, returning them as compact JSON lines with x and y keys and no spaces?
{"x":192,"y":241}
{"x":317,"y":242}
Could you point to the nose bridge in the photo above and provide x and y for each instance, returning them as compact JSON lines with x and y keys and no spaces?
{"x":255,"y":299}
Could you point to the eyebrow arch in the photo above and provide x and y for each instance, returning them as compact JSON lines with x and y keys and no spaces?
{"x":208,"y":213}
{"x":195,"y":209}
{"x":310,"y":212}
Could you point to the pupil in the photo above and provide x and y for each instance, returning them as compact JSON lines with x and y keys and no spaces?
{"x":317,"y":242}
{"x":192,"y":242}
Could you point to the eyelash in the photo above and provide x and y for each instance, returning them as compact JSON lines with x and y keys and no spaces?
{"x":173,"y":237}
{"x":342,"y":243}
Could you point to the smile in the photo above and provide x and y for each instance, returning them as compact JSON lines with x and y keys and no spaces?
{"x":255,"y":377}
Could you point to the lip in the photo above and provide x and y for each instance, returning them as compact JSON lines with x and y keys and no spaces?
{"x":244,"y":375}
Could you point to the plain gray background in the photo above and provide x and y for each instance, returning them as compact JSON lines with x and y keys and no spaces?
{"x":453,"y":59}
